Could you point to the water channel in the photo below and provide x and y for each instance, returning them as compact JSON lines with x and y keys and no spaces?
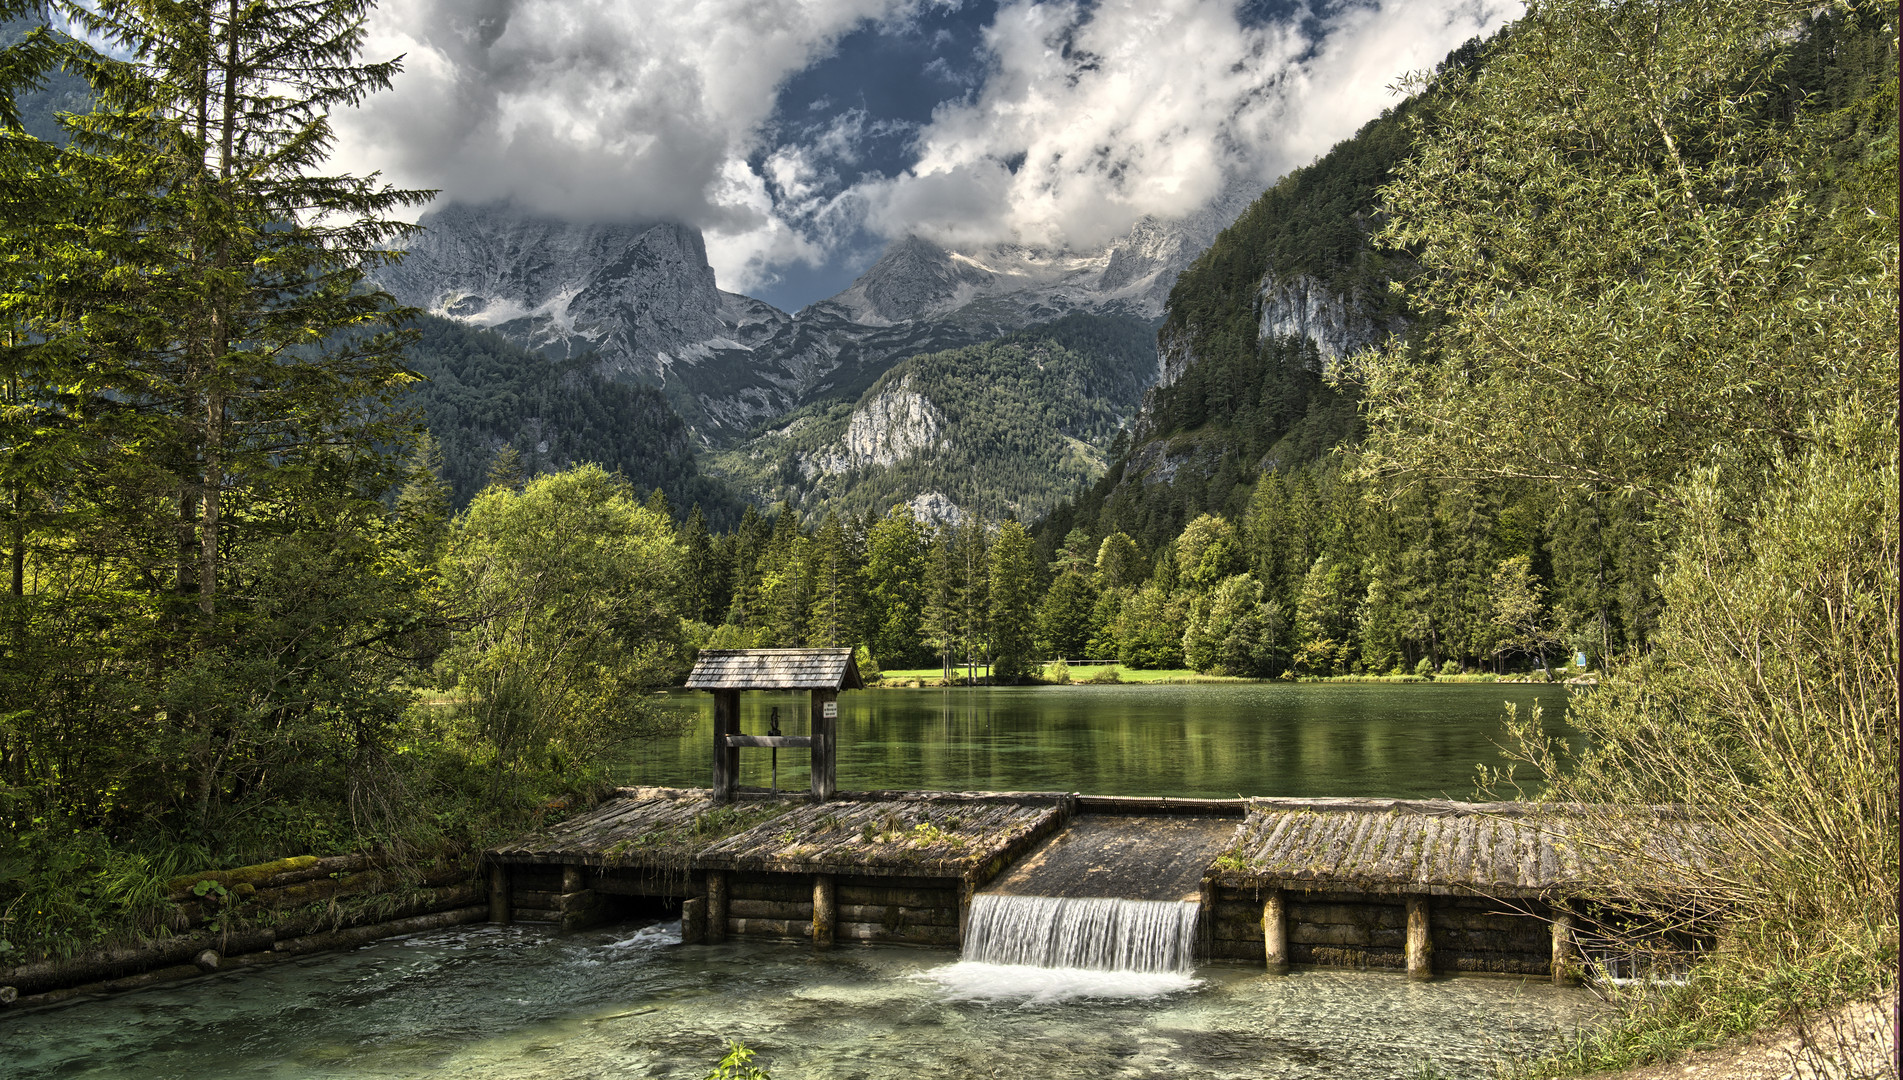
{"x":491,"y":1003}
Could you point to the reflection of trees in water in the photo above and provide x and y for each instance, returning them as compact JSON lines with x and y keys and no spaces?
{"x":1190,"y":741}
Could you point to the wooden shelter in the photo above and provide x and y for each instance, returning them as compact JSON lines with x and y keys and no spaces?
{"x":823,"y":672}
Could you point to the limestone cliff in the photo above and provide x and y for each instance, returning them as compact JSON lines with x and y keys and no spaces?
{"x":887,"y":428}
{"x":1338,"y":325}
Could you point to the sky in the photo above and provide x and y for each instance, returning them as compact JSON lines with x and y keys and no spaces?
{"x":802,"y":135}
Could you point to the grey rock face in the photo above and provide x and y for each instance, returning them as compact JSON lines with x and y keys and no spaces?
{"x":642,"y":296}
{"x":893,"y":425}
{"x":935,"y":508}
{"x":1301,"y":307}
{"x":1015,"y":284}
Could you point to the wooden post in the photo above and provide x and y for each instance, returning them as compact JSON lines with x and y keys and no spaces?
{"x":693,"y":920}
{"x":571,"y":879}
{"x":824,"y":911}
{"x":1565,"y":967}
{"x":825,"y":731}
{"x":716,"y":905}
{"x":1420,"y":940}
{"x":499,"y":894}
{"x":1275,"y":932}
{"x":726,"y":758}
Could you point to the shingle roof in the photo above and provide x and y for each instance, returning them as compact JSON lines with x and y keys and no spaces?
{"x":775,"y":669}
{"x":1434,"y":846}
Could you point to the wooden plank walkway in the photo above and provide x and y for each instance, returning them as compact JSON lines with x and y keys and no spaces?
{"x":870,"y":834}
{"x":1431,"y":847}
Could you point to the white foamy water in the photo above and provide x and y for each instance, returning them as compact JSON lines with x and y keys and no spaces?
{"x":1091,"y":933}
{"x":970,"y":980}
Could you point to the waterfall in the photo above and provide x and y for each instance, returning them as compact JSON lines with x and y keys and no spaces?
{"x":1097,"y":934}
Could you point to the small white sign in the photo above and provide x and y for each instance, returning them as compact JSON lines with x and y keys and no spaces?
{"x":829,"y":710}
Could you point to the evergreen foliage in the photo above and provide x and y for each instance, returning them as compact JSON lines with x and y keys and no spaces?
{"x":482,"y":393}
{"x":1021,"y":420}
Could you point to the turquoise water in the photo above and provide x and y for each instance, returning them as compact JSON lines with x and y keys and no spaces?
{"x":1195,"y":740}
{"x":520,"y":1003}
{"x":515,"y":1003}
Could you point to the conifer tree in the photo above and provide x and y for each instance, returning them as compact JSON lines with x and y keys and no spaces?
{"x":939,"y":623}
{"x":505,"y":469}
{"x":269,"y":346}
{"x":701,"y":569}
{"x":422,"y":506}
{"x":896,"y":558}
{"x":1012,"y":606}
{"x":835,"y":587}
{"x":972,"y":565}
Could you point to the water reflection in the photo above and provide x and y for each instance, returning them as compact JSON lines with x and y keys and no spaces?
{"x":1211,"y":741}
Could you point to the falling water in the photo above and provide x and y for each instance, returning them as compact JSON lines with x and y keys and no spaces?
{"x":1095,"y":934}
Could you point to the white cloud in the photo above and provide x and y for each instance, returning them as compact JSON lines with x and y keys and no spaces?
{"x":590,"y":109}
{"x":1093,"y":118}
{"x":1087,"y":118}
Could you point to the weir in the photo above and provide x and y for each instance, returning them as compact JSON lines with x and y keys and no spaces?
{"x":1096,"y":933}
{"x":1069,"y":881}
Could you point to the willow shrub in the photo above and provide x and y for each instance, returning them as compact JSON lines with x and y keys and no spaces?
{"x":1768,"y":710}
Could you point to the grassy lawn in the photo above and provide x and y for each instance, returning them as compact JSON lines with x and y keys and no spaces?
{"x":1079,"y":673}
{"x":1117,"y":673}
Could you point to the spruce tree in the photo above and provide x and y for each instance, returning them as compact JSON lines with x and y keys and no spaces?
{"x":270,"y":347}
{"x":1012,"y":606}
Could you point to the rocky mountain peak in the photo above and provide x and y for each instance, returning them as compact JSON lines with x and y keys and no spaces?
{"x":641,"y":295}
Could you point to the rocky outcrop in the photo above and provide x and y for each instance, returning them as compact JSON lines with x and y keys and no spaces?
{"x":642,"y":296}
{"x":1337,"y":325}
{"x":1173,"y":355}
{"x":935,"y":508}
{"x":893,"y":425}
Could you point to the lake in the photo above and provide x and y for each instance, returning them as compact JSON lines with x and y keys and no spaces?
{"x":1201,"y":740}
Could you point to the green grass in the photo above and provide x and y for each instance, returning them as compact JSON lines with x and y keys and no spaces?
{"x":1727,"y":998}
{"x":1104,"y":673}
{"x":1079,"y":673}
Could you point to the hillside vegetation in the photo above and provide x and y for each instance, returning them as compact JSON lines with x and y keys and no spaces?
{"x":1005,"y":427}
{"x":482,"y":392}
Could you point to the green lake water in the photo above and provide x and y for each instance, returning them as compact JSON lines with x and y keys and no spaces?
{"x":1209,"y":740}
{"x":523,"y":1003}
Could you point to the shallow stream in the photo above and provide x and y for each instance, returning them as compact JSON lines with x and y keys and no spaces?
{"x":519,"y":1003}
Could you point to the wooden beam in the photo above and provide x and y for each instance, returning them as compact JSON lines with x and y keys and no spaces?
{"x":1565,"y":952}
{"x":693,"y":921}
{"x":825,"y":911}
{"x":1205,"y":919}
{"x":776,"y":741}
{"x":726,"y":758}
{"x":716,"y":905}
{"x":1420,"y":940}
{"x":499,"y":894}
{"x":825,"y":748}
{"x":1275,"y":932}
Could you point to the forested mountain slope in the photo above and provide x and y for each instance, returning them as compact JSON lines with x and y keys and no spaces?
{"x":484,"y":392}
{"x":1248,"y":428}
{"x":1002,"y":428}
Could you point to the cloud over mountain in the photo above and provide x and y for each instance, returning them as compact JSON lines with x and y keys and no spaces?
{"x":1058,"y":123}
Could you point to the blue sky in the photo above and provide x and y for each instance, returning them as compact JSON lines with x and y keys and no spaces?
{"x":803,"y":135}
